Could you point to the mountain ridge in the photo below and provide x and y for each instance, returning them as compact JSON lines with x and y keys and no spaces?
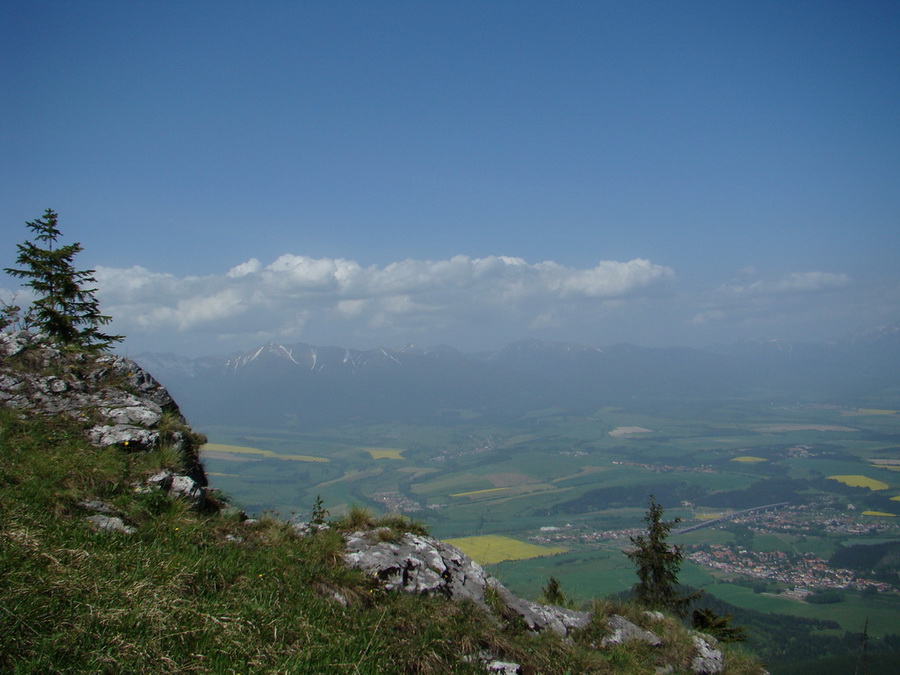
{"x":311,"y":385}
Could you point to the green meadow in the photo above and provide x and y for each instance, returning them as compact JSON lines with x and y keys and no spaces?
{"x":585,"y":474}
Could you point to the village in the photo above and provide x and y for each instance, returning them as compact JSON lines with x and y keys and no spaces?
{"x":802,"y":573}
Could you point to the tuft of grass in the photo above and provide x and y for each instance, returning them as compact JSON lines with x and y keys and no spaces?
{"x":390,"y":527}
{"x":164,"y":456}
{"x":173,"y":428}
{"x":357,"y":518}
{"x":401,"y":524}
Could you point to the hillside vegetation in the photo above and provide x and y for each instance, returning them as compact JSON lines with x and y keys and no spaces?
{"x":193,"y":586}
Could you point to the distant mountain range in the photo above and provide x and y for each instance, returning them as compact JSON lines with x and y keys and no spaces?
{"x":278,"y":385}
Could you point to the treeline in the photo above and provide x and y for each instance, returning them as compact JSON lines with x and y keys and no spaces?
{"x":669,"y":494}
{"x":880,"y":561}
{"x":781,"y":640}
{"x":769,"y":491}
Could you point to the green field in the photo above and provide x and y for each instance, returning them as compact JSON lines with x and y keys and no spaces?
{"x":555,"y":480}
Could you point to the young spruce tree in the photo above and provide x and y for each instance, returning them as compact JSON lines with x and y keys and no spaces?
{"x":65,"y":309}
{"x":658,"y":564}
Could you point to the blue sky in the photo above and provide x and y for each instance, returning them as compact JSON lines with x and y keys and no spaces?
{"x":469,"y":173}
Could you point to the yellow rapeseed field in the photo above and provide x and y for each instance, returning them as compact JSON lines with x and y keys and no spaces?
{"x":242,"y":450}
{"x":861,"y":481}
{"x":384,"y":453}
{"x":879,"y":513}
{"x":493,"y":548}
{"x":748,"y":458}
{"x":709,"y":516}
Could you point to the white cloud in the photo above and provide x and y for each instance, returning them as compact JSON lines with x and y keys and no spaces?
{"x":250,"y":267}
{"x":796,"y":282}
{"x":350,"y":308}
{"x":788,"y":304}
{"x":297,"y":295}
{"x":475,"y":303}
{"x":609,"y":279}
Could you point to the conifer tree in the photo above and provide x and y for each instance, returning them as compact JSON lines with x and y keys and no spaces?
{"x":66,"y":309}
{"x":707,"y":621}
{"x":552,"y":594}
{"x":658,"y":564}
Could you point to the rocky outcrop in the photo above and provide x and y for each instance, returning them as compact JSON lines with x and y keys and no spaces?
{"x":177,"y":486}
{"x":423,"y":565}
{"x":418,"y":564}
{"x":116,"y":400}
{"x":708,"y":659}
{"x":539,"y":617}
{"x":622,"y":630}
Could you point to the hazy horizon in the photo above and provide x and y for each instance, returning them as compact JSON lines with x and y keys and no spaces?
{"x":199,"y":352}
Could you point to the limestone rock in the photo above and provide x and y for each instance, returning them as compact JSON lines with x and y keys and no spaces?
{"x":112,"y":390}
{"x":708,"y":659}
{"x":423,"y":565}
{"x":127,"y":436}
{"x":177,"y":485}
{"x":109,"y":524}
{"x":135,"y":378}
{"x":132,"y":410}
{"x":96,"y":506}
{"x":118,"y":402}
{"x":622,"y":630}
{"x":653,"y":615}
{"x":542,"y":617}
{"x":305,"y":529}
{"x":492,"y":664}
{"x":417,"y":564}
{"x":14,"y":343}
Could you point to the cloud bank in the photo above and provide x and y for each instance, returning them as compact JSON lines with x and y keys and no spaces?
{"x":475,"y":303}
{"x":297,"y":296}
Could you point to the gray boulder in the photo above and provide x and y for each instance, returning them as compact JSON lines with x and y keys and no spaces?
{"x":622,"y":630}
{"x":178,"y":486}
{"x":708,"y":659}
{"x":109,"y":524}
{"x":492,"y":664}
{"x":127,"y":436}
{"x":129,"y":409}
{"x":96,"y":506}
{"x":15,"y":342}
{"x":135,"y":378}
{"x":423,"y":565}
{"x":417,"y":564}
{"x":542,"y":617}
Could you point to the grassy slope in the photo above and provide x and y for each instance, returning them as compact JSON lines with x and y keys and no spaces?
{"x":179,"y":595}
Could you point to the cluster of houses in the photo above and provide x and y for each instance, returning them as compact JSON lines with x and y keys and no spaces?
{"x":800,"y":571}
